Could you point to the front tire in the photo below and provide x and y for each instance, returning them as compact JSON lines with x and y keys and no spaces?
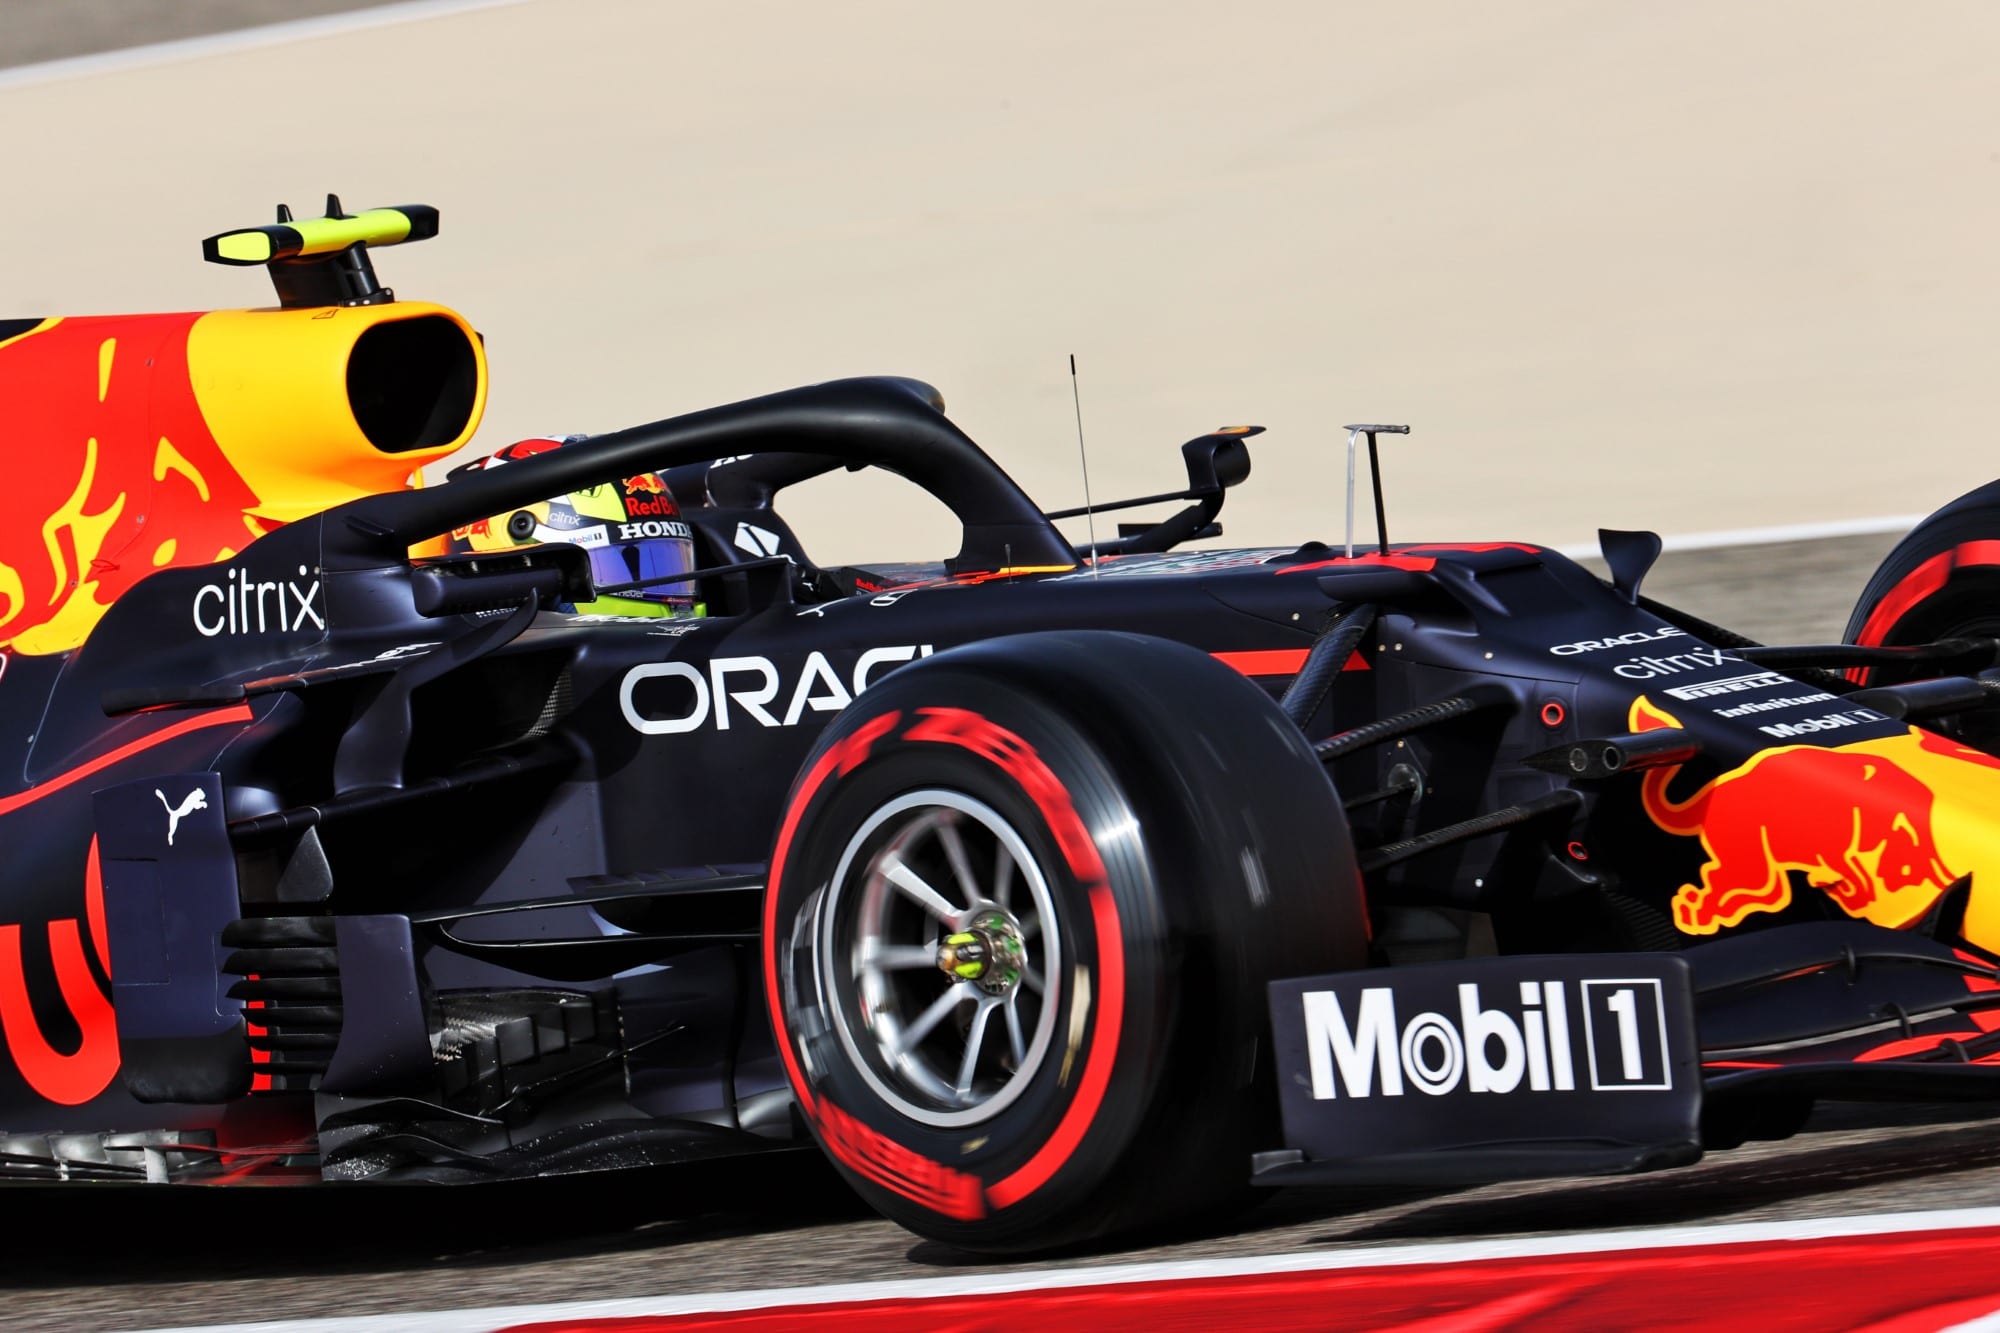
{"x":1940,"y":582}
{"x":1022,"y":909}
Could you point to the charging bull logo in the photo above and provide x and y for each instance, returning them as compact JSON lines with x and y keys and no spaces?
{"x":112,"y":473}
{"x":1881,"y":826}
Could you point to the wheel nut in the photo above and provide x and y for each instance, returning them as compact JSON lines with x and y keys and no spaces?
{"x":965,"y":955}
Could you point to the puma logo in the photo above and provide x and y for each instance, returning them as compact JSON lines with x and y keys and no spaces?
{"x":196,"y":800}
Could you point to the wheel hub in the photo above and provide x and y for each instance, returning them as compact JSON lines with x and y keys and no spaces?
{"x":943,"y":958}
{"x":991,"y":953}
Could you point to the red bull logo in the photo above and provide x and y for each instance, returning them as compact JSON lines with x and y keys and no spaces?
{"x":113,"y":472}
{"x":646,"y":483}
{"x":1881,"y":826}
{"x":142,"y":442}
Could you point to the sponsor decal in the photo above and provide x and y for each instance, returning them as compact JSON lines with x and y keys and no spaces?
{"x":659,"y":506}
{"x":193,"y":801}
{"x":631,"y":532}
{"x":1852,"y":717}
{"x":756,"y":540}
{"x":1490,"y":1050}
{"x":1772,"y":705}
{"x":730,"y":689}
{"x":1671,"y":664}
{"x":1430,"y":1057}
{"x":1881,"y":825}
{"x":1617,"y":641}
{"x":646,"y":483}
{"x":1748,"y":684}
{"x":243,"y":604}
{"x":589,"y":538}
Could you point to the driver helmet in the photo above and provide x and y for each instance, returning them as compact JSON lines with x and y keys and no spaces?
{"x":632,"y":530}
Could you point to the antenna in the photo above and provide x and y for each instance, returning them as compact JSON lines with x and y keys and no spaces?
{"x":1354,"y":433}
{"x":1083,"y":456}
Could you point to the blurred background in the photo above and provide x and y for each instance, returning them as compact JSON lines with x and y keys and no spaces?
{"x":1690,"y":267}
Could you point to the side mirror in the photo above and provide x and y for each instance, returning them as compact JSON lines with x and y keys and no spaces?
{"x":1217,"y":461}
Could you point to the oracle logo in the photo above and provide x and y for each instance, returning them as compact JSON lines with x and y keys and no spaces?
{"x":727,"y":690}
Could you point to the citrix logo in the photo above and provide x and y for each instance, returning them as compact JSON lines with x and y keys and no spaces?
{"x":1694,"y":659}
{"x":240,"y":604}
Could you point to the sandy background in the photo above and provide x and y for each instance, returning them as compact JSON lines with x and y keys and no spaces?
{"x":1692,"y":267}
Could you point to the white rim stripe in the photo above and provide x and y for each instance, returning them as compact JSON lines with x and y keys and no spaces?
{"x":1389,"y":1256}
{"x":241,"y":39}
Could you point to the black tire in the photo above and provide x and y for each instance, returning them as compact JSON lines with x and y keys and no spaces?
{"x":1188,"y":848}
{"x":1940,"y":582}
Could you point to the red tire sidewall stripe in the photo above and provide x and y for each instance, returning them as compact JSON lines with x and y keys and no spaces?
{"x":1035,"y":1172}
{"x":844,"y":755}
{"x":1015,"y":757}
{"x":1913,"y":587}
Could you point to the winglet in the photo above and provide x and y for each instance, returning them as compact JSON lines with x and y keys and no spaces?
{"x":324,"y":261}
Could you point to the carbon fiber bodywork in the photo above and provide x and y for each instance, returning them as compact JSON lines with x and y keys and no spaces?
{"x":327,"y":862}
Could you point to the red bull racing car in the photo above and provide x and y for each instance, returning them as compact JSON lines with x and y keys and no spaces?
{"x":567,"y":816}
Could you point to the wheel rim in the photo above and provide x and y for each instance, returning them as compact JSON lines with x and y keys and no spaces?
{"x":939,"y":958}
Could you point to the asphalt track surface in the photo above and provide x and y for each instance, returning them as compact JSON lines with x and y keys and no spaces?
{"x":94,"y":1259}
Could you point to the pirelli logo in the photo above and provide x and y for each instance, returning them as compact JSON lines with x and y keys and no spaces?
{"x":1709,"y":689}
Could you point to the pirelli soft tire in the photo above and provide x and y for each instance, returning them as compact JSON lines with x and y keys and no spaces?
{"x":1942,"y":581}
{"x":1190,"y":849}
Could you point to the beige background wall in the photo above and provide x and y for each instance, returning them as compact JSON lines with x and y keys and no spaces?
{"x":1688,"y":266}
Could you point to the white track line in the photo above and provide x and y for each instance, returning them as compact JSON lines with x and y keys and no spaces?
{"x":1790,"y":532}
{"x":1387,"y":1256}
{"x":242,"y":39}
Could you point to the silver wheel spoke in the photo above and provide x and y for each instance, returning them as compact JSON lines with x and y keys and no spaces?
{"x":966,"y":1067}
{"x":953,"y":843}
{"x":931,"y":1017}
{"x":900,"y":957}
{"x":947,"y":1035}
{"x":1003,"y":875}
{"x":912,"y":886}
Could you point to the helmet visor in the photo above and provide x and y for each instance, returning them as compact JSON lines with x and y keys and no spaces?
{"x":642,"y":561}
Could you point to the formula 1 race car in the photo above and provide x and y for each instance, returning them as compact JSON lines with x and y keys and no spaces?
{"x":1056,"y":890}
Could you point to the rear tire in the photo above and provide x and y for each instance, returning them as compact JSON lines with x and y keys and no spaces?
{"x":1136,"y":835}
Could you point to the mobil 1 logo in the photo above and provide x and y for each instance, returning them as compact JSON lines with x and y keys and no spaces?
{"x":1487,"y":1052}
